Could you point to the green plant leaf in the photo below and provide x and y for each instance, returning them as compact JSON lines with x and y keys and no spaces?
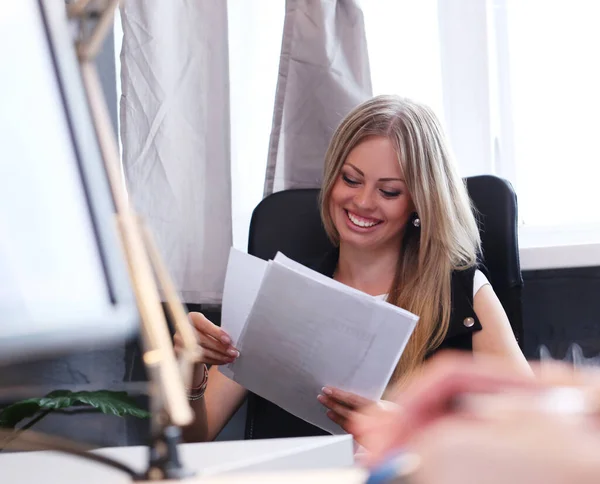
{"x":13,"y":414}
{"x":108,"y":402}
{"x":111,"y":403}
{"x":58,"y":399}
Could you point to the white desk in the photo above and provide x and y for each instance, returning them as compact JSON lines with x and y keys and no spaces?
{"x":208,"y":459}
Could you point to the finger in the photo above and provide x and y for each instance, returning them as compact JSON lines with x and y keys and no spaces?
{"x":370,"y":425}
{"x":365,"y":435}
{"x":212,"y":344}
{"x":177,"y":341}
{"x":364,"y":425}
{"x":347,"y":398}
{"x":211,"y":336}
{"x":224,"y":352}
{"x":374,"y":417}
{"x":335,"y":406}
{"x":212,"y":357}
{"x":374,"y":427}
{"x":204,"y":326}
{"x":338,"y":419}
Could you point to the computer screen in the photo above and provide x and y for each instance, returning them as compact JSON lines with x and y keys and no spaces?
{"x":63,"y":276}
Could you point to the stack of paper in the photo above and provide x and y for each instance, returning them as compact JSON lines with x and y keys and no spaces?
{"x":298,"y":331}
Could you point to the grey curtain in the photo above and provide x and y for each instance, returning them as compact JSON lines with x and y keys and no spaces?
{"x":324,"y":73}
{"x":175,"y":135}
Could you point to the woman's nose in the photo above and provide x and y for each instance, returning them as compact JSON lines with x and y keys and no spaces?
{"x":364,"y":198}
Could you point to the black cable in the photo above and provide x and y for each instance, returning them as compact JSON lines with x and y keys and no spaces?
{"x":30,"y":440}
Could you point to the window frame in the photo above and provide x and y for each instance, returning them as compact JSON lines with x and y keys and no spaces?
{"x":476,"y":74}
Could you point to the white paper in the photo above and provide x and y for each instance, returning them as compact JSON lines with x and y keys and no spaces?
{"x":317,"y":276}
{"x":242,"y":282}
{"x":306,"y":331}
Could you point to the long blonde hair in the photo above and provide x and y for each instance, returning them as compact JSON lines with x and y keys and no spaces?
{"x":448,"y":238}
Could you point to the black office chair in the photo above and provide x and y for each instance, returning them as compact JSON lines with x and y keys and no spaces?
{"x":289,"y":222}
{"x":496,"y":204}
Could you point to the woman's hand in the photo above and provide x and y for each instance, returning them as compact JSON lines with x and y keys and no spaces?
{"x":431,"y":396}
{"x":214,"y":344}
{"x":434,"y":392}
{"x":344,"y":406}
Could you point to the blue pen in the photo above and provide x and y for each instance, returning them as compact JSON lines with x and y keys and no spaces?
{"x":394,"y":470}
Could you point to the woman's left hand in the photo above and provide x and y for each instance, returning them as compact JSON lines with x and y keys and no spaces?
{"x":343,"y":406}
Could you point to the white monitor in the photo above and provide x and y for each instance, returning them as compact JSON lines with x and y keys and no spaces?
{"x":63,"y":276}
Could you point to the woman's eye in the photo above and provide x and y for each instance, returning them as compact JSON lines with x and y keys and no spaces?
{"x":349,"y":181}
{"x":390,"y":194}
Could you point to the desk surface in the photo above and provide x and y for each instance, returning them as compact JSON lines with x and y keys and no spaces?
{"x":308,"y":454}
{"x":324,"y":476}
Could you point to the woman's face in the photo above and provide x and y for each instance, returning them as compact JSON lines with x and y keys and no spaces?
{"x":370,"y":204}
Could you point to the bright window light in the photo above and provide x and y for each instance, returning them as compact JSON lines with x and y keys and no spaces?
{"x":404,"y":49}
{"x":555,"y":87}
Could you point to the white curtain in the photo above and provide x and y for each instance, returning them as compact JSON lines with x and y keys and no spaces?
{"x":323,"y":74}
{"x":175,"y":135}
{"x":179,"y":156}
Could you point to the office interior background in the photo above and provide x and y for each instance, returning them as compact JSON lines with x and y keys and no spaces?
{"x":518,"y":95}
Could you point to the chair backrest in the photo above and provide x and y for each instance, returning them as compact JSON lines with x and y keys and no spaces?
{"x":289,"y":221}
{"x":495,"y":203}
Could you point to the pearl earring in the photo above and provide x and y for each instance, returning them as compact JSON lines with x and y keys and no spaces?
{"x":417,"y":222}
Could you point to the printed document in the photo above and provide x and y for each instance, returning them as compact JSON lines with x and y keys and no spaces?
{"x":298,"y":331}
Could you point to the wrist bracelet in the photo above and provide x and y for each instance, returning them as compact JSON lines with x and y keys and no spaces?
{"x":197,"y":393}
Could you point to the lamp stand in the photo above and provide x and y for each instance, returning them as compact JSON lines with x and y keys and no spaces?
{"x":170,"y":409}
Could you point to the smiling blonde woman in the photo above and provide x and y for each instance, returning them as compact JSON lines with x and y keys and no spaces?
{"x":403,"y":228}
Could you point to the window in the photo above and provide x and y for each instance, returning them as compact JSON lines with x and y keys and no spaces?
{"x":255,"y":33}
{"x":554,"y":80}
{"x":517,"y":83}
{"x":404,"y":49}
{"x":435,"y":52}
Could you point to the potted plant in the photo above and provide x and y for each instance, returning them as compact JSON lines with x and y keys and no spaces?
{"x":33,"y":410}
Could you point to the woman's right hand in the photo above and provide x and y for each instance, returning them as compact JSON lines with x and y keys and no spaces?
{"x":214,"y":344}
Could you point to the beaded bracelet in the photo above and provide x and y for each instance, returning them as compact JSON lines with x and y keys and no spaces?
{"x":197,"y":393}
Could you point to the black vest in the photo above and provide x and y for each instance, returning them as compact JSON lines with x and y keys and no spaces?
{"x":265,"y":420}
